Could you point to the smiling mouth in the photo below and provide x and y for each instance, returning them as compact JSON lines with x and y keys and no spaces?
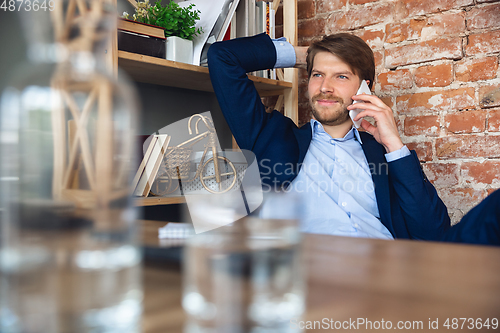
{"x":327,"y":101}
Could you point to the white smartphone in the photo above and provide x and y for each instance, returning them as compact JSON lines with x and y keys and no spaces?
{"x":363,"y":89}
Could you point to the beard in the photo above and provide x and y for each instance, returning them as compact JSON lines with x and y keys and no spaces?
{"x":336,"y":115}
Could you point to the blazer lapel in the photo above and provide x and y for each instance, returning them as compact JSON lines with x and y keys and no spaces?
{"x":379,"y":169}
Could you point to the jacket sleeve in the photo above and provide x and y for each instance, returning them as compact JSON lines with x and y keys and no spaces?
{"x":270,"y":136}
{"x":481,"y":225}
{"x":424,"y":212}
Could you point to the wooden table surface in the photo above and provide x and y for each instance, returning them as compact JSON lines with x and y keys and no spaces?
{"x":375,"y":280}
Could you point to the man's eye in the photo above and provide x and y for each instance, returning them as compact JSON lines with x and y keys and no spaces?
{"x":343,"y":77}
{"x":316,"y":75}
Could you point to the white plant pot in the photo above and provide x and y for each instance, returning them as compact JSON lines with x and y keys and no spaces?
{"x":179,"y":49}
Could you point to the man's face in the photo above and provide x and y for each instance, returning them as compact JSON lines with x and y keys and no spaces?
{"x":331,"y":86}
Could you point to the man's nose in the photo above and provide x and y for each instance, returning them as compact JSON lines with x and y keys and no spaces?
{"x":326,"y":86}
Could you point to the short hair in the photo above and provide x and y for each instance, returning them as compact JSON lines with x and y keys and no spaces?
{"x":350,"y":49}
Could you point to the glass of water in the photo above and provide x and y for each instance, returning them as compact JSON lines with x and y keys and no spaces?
{"x":247,"y":276}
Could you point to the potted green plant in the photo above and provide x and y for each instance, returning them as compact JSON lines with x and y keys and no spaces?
{"x":179,"y":24}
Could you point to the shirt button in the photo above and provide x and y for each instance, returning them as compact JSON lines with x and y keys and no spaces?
{"x":282,"y":44}
{"x":332,"y":141}
{"x":355,"y":225}
{"x":344,"y":204}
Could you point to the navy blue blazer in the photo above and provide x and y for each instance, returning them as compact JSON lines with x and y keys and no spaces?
{"x":408,"y":204}
{"x":481,"y":225}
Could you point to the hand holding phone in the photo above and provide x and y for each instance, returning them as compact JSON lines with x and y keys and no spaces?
{"x":363,"y":89}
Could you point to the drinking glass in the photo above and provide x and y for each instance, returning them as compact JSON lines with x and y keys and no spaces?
{"x":247,"y":276}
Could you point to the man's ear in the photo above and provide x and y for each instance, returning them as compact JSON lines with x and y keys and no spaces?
{"x":368,"y":83}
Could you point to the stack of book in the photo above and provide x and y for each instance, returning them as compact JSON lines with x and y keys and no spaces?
{"x":227,"y":19}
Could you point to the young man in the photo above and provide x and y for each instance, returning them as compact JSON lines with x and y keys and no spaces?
{"x":352,"y":183}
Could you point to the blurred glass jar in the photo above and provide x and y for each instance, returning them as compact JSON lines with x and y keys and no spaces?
{"x":247,"y":276}
{"x":69,"y":256}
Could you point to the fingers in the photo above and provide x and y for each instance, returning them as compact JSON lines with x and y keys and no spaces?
{"x":369,"y":99}
{"x":384,"y":119}
{"x":367,"y":126}
{"x":385,"y":129}
{"x":372,"y":106}
{"x":377,"y":113}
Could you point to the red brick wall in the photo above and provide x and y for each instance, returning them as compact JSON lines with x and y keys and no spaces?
{"x":437,"y":67}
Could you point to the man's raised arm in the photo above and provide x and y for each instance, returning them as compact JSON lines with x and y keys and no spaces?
{"x":271,"y":136}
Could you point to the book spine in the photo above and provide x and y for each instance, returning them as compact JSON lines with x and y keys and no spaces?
{"x":270,"y":29}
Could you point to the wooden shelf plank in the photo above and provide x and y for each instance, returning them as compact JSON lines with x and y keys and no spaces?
{"x":152,"y":201}
{"x":146,"y":69}
{"x":140,"y":28}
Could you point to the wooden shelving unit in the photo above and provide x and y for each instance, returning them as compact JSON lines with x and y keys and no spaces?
{"x":146,"y":69}
{"x":153,"y":201}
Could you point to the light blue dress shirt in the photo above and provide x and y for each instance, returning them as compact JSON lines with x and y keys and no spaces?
{"x":336,"y":189}
{"x":285,"y":53}
{"x":334,"y":184}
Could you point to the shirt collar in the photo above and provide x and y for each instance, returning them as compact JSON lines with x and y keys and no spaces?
{"x":317,"y":128}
